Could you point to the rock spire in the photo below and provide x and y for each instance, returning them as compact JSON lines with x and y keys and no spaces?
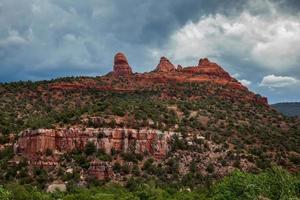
{"x":121,"y":66}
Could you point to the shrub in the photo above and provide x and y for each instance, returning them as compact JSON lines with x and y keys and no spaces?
{"x":295,"y":159}
{"x":117,"y":167}
{"x":4,"y":194}
{"x":90,"y":148}
{"x":81,"y":160}
{"x":210,"y":168}
{"x":136,"y":170}
{"x":49,"y":152}
{"x":126,"y":169}
{"x":147,"y":164}
{"x":275,"y":183}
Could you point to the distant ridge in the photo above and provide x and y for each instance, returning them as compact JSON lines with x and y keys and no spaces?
{"x":288,"y":108}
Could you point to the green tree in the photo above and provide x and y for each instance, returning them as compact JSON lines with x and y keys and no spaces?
{"x":4,"y":194}
{"x":90,"y":148}
{"x":210,"y":168}
{"x":136,"y":170}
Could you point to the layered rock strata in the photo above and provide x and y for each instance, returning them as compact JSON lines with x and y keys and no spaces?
{"x":35,"y":143}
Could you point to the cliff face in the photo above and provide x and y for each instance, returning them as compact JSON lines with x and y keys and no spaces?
{"x":223,"y":124}
{"x":35,"y":143}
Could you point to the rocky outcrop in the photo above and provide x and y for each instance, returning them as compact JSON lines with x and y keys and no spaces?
{"x":100,"y":170}
{"x":121,"y":66}
{"x":204,"y":62}
{"x":261,"y":100}
{"x":165,"y":73}
{"x":35,"y":143}
{"x":210,"y":70}
{"x":164,"y":65}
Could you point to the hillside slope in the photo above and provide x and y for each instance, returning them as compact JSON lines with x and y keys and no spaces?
{"x":189,"y":125}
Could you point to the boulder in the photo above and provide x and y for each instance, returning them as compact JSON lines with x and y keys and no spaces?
{"x":57,"y":186}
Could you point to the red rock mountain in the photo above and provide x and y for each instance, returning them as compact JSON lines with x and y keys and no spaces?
{"x":223,"y":106}
{"x":122,"y":79}
{"x":165,"y":73}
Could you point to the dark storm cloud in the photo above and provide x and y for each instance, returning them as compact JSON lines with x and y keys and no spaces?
{"x":290,"y":6}
{"x":46,"y":37}
{"x":53,"y":38}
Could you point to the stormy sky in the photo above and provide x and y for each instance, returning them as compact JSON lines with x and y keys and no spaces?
{"x":257,"y":41}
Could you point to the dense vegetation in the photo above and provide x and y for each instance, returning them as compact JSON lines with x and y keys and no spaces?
{"x":273,"y":184}
{"x":253,"y":130}
{"x":218,"y":133}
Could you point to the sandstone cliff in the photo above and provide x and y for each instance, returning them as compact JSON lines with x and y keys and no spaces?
{"x":35,"y":143}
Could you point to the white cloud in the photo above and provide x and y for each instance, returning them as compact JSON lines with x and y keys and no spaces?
{"x":245,"y":82}
{"x":278,"y":81}
{"x":280,"y":48}
{"x":271,"y":39}
{"x":235,"y":75}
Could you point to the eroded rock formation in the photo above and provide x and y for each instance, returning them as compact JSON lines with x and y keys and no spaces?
{"x":121,"y":66}
{"x":165,"y":73}
{"x":204,"y":62}
{"x":209,"y":70}
{"x":35,"y":143}
{"x":164,"y":65}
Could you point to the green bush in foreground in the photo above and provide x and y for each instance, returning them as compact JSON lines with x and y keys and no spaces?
{"x":273,"y":184}
{"x":4,"y":194}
